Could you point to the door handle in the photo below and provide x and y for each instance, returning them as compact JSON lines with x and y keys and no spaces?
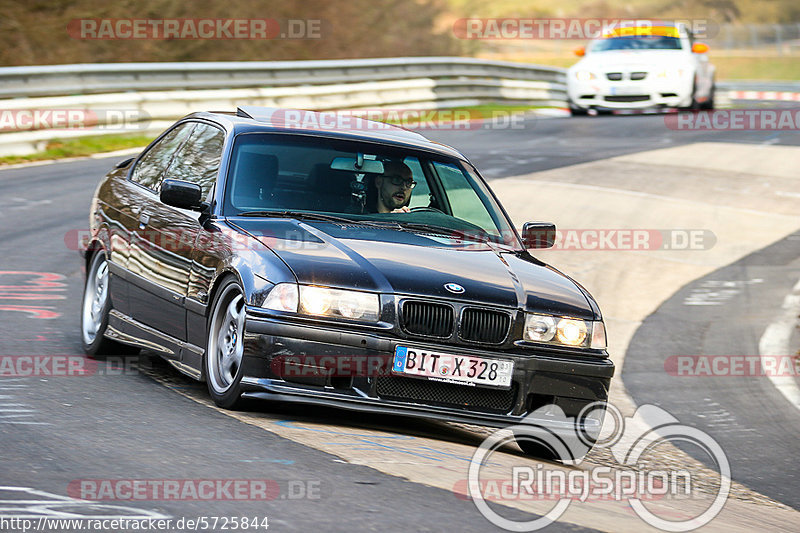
{"x":144,"y":219}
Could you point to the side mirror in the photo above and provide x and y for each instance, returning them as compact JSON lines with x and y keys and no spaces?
{"x":124,"y":163}
{"x":699,"y":48}
{"x":580,"y":51}
{"x":538,"y":235}
{"x":182,"y":194}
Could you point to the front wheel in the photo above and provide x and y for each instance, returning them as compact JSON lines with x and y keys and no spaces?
{"x":95,"y":307}
{"x":694,"y":105}
{"x":225,"y":346}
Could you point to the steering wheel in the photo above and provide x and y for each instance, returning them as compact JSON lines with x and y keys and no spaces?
{"x":427,"y":208}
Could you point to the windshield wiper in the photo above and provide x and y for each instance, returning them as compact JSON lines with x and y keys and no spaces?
{"x":304,"y":215}
{"x":472,"y":235}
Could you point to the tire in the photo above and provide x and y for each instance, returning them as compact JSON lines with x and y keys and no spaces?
{"x":577,"y":112}
{"x":224,"y":346}
{"x":709,"y":104}
{"x":552,"y":448}
{"x":536,"y":449}
{"x":95,"y":306}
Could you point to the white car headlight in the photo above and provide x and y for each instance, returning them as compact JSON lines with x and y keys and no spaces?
{"x":565,"y":331}
{"x":321,"y":301}
{"x":584,"y":75}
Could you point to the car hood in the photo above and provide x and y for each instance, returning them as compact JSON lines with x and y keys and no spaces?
{"x":393,"y":261}
{"x":644,"y":60}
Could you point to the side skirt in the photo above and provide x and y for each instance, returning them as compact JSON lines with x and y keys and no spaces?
{"x":125,"y":329}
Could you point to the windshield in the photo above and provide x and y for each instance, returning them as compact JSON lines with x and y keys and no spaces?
{"x":637,"y":42}
{"x":315,"y":178}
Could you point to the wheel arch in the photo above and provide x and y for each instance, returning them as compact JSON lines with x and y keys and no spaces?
{"x":93,"y":248}
{"x":218,"y":282}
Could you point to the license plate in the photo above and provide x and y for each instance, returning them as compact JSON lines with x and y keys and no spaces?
{"x":625,"y":91}
{"x":449,"y":368}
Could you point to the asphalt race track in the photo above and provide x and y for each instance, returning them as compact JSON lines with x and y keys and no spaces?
{"x":124,"y":420}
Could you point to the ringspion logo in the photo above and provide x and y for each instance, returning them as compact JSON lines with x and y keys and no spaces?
{"x":630,"y":440}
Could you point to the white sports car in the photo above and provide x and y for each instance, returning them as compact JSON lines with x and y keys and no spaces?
{"x":649,"y":65}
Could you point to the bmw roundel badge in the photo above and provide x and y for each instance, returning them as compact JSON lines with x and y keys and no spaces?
{"x":454,"y":288}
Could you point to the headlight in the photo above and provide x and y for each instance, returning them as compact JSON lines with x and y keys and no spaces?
{"x":540,"y":328}
{"x":565,"y":331}
{"x":584,"y":75}
{"x":282,"y":297}
{"x":571,"y":332}
{"x":321,"y":301}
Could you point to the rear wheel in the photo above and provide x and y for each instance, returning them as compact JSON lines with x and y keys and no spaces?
{"x":95,"y":306}
{"x":225,"y":346}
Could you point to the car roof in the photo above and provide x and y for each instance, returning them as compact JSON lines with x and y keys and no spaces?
{"x":254,"y":119}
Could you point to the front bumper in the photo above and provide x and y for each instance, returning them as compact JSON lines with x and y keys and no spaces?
{"x":540,"y":380}
{"x":612,"y":95}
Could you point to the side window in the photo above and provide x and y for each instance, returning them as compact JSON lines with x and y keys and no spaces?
{"x":150,"y":168}
{"x":464,"y":202}
{"x":421,"y":195}
{"x":199,"y":158}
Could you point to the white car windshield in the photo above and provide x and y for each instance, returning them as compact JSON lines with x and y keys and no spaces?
{"x":638,"y":42}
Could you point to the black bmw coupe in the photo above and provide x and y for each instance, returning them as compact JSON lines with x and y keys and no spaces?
{"x":354,"y":265}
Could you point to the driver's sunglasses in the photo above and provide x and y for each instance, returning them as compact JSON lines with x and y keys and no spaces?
{"x":400,"y":180}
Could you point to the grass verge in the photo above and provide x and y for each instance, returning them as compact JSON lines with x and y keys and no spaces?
{"x":84,"y":146}
{"x":81,"y":146}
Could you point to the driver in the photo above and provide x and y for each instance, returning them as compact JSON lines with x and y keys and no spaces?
{"x":394,"y":188}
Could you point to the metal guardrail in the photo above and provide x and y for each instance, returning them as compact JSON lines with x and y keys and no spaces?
{"x":54,"y":80}
{"x":759,"y":85}
{"x":158,"y":92}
